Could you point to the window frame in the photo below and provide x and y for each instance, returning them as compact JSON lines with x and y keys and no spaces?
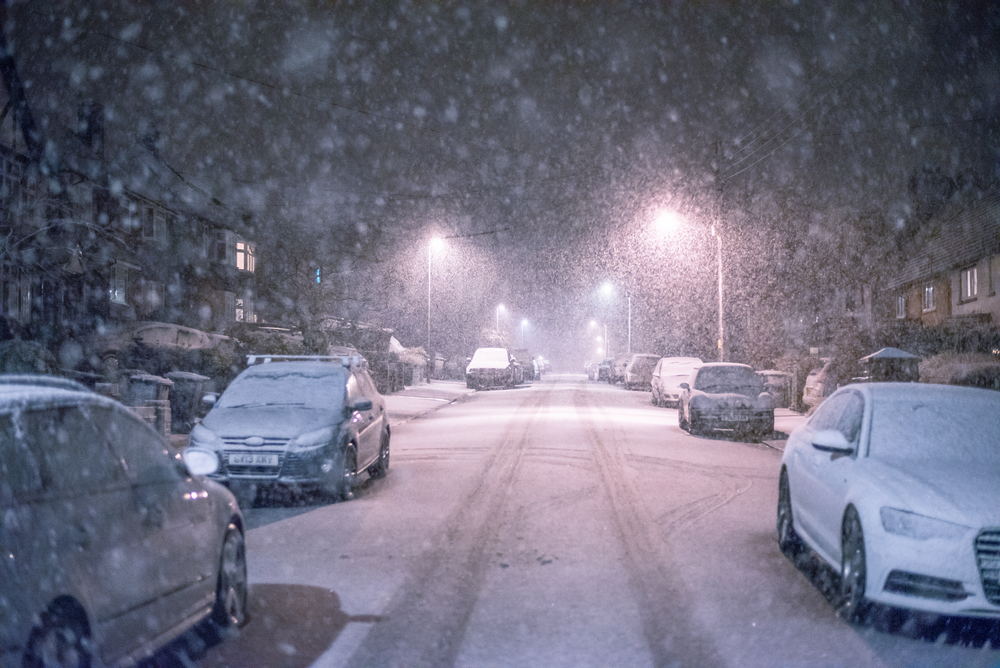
{"x":900,"y":306}
{"x":928,"y":303}
{"x":968,"y":282}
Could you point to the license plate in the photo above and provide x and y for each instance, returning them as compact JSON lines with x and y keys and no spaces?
{"x":739,"y":417}
{"x":253,"y":459}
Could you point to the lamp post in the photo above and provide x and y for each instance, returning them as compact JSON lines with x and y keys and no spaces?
{"x":667,"y":221}
{"x":722,"y":351}
{"x":499,"y":308}
{"x":523,"y":323}
{"x":435,"y":243}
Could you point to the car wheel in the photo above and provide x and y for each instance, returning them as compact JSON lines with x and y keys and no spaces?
{"x":349,"y":477}
{"x":381,"y":466}
{"x":788,"y":541}
{"x":60,"y":640}
{"x":853,"y":574}
{"x":231,"y":594}
{"x":696,"y":425}
{"x":682,"y":421}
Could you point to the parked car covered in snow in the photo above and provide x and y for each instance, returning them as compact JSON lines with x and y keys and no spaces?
{"x":639,"y":371}
{"x":894,"y":485}
{"x":491,"y":367}
{"x":726,"y":396}
{"x":112,"y":545}
{"x":668,"y":374}
{"x":304,"y":423}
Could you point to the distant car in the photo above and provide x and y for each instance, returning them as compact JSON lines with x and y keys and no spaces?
{"x":604,"y":370}
{"x":617,"y":372}
{"x":639,"y":371}
{"x":111,"y":547}
{"x":300,"y":423}
{"x":668,"y":374}
{"x":895,"y":486}
{"x":726,"y":396}
{"x":819,"y":384}
{"x":529,"y":367}
{"x":491,"y":367}
{"x":592,"y":370}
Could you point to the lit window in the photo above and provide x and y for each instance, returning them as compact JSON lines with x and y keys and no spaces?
{"x":245,"y":255}
{"x":928,"y":302}
{"x":970,"y":284}
{"x":900,"y":306}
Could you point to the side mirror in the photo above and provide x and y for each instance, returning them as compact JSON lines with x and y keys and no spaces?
{"x":210,"y":399}
{"x":200,"y":461}
{"x":685,"y":386}
{"x":831,"y":440}
{"x":362,"y":405}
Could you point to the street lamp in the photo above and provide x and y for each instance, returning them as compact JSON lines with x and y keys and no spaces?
{"x":499,"y":308}
{"x":436,"y":244}
{"x":607,"y":289}
{"x":593,"y":323}
{"x":668,"y":221}
{"x":523,"y":323}
{"x":722,"y":350}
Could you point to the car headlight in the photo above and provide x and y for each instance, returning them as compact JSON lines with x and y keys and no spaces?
{"x":919,"y":527}
{"x":203,"y":437}
{"x":312,"y":439}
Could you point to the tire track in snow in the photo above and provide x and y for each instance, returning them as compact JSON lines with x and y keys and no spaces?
{"x":663,"y":601}
{"x":425,"y":621}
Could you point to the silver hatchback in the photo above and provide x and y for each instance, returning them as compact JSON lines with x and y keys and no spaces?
{"x":111,"y":546}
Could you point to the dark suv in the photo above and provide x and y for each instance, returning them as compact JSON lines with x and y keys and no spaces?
{"x":111,"y":546}
{"x":305,"y":423}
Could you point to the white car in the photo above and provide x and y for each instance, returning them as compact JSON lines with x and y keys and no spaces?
{"x":897,"y":486}
{"x":668,"y":375}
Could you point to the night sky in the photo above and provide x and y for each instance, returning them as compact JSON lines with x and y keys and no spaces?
{"x":542,"y":139}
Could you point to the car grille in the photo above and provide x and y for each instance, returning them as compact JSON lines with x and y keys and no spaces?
{"x":988,"y":558}
{"x":241,"y":442}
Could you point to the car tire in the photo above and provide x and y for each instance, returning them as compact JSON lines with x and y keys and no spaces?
{"x":349,"y":475}
{"x":232,"y":592}
{"x":59,"y":640}
{"x":853,"y":569}
{"x":788,"y":540}
{"x":381,"y":466}
{"x":696,"y":426}
{"x":682,"y":421}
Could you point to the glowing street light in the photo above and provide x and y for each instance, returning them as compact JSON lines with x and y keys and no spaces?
{"x":669,"y":221}
{"x":436,"y":243}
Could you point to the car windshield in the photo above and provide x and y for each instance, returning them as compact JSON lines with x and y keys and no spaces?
{"x":965,"y":431}
{"x":285,"y":388}
{"x":729,"y":380}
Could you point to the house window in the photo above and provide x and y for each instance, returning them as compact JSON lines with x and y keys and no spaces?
{"x":928,"y":301}
{"x":970,"y":284}
{"x":15,"y":295}
{"x":223,"y":247}
{"x":154,"y":225}
{"x":900,"y":306}
{"x":120,"y":283}
{"x":244,"y":310}
{"x":245,"y":255}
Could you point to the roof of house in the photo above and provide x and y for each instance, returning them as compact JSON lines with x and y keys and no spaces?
{"x":964,"y":232}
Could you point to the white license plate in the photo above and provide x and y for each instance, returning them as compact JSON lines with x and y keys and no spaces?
{"x":253,"y":459}
{"x":739,"y":417}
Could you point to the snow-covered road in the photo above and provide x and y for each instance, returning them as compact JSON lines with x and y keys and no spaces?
{"x":563,"y":523}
